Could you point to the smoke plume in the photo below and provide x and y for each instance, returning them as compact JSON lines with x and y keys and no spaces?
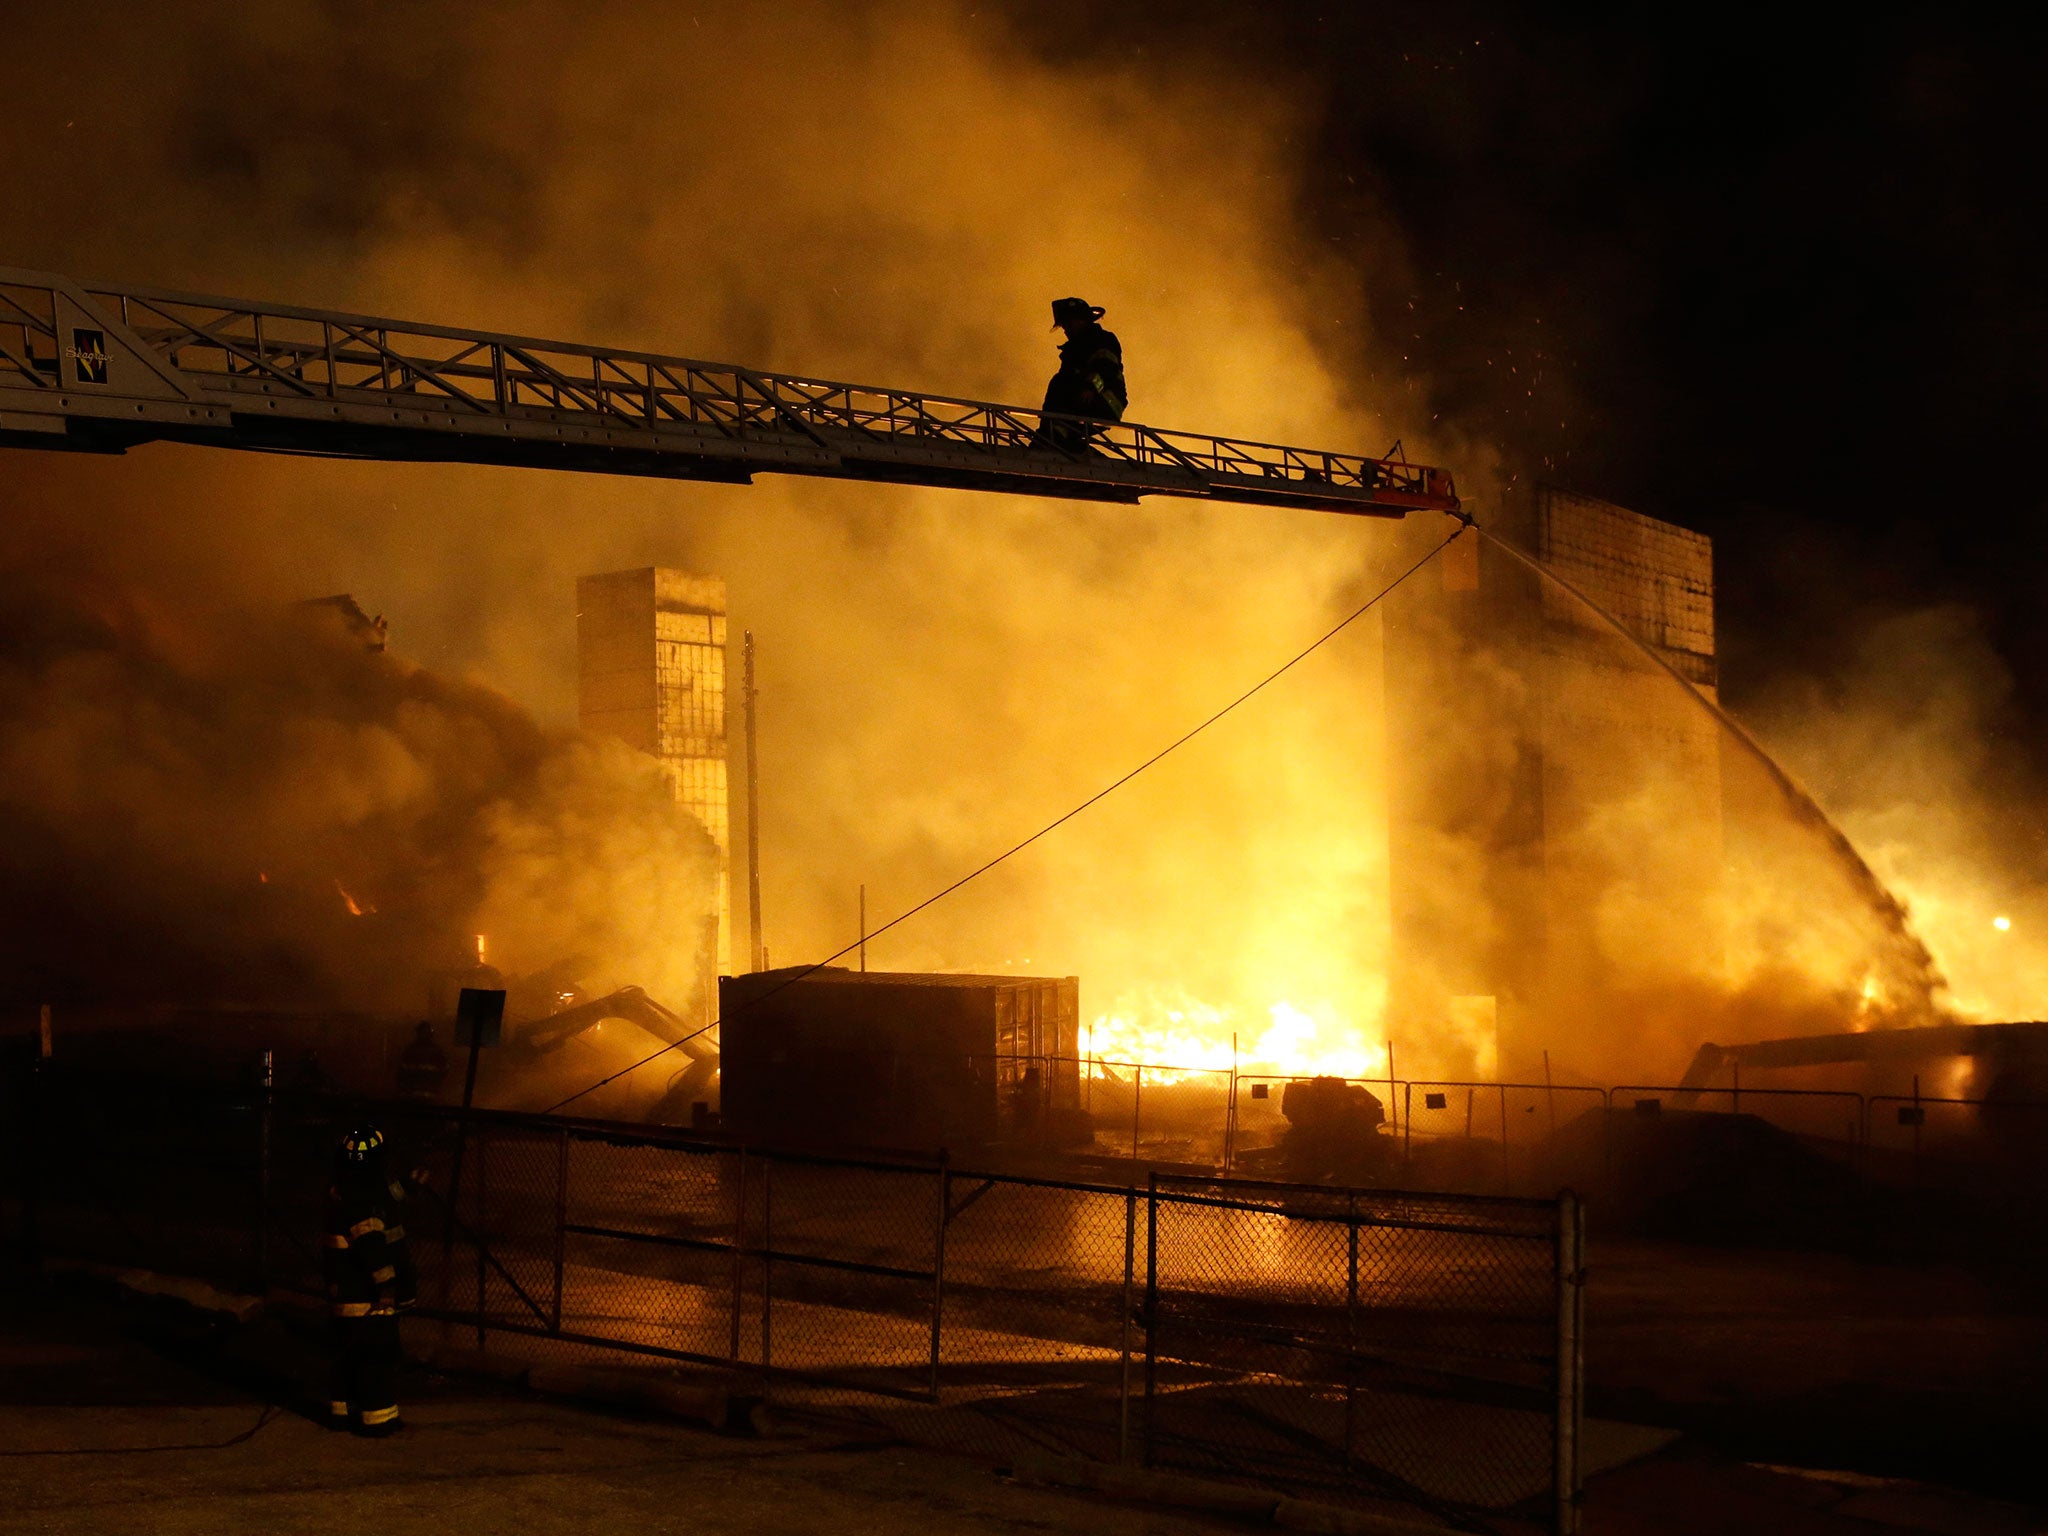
{"x":1912,"y":744}
{"x":890,"y":194}
{"x":231,"y":808}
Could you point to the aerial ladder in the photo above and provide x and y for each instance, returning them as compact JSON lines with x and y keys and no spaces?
{"x":96,"y":368}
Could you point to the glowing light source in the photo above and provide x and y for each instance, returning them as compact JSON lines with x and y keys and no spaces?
{"x":1176,"y":1037}
{"x":2001,"y":923}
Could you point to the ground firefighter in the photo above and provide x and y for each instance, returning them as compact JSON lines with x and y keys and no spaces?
{"x":1090,"y":380}
{"x":369,"y":1282}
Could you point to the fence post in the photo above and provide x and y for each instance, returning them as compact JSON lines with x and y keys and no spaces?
{"x":1230,"y":1109}
{"x":1137,"y":1100}
{"x":940,"y":1218}
{"x":1549,"y":1098}
{"x":767,"y":1263}
{"x":1407,"y":1123}
{"x":448,"y":1213}
{"x":1390,"y":1075}
{"x":1569,"y":1409}
{"x":480,"y":1236}
{"x":32,"y":1164}
{"x":739,"y":1251}
{"x":1505,"y":1182}
{"x":561,"y":1217}
{"x":1606,"y":1133}
{"x":1351,"y":1328}
{"x":1151,"y":1304}
{"x":267,"y":1082}
{"x":1919,"y":1115}
{"x":1123,"y":1409}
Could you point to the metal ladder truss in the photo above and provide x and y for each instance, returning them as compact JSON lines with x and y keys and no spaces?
{"x":99,"y":369}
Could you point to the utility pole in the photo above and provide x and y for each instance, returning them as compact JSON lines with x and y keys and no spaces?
{"x":760,"y":957}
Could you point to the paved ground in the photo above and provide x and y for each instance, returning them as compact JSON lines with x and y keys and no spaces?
{"x":106,"y":1432}
{"x":1907,"y":1370}
{"x":112,"y":1424}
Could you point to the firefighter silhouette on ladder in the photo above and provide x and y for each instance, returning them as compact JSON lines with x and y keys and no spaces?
{"x":1089,"y":382}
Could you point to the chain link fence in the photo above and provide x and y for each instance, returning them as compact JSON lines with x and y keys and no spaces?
{"x":1345,"y":1346}
{"x":1360,"y":1339}
{"x":1488,"y":1137}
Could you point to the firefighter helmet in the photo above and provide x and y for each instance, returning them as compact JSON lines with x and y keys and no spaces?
{"x":361,"y":1145}
{"x":1075,"y":312}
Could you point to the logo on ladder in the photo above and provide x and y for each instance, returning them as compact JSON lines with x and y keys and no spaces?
{"x":88,"y":351}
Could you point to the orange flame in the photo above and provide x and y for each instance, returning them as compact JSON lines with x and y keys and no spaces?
{"x":1175,"y":1036}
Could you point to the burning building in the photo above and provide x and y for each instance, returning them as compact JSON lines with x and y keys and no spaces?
{"x":651,"y":673}
{"x":1503,"y":842}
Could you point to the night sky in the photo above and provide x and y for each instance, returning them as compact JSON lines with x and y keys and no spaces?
{"x":1777,"y":283}
{"x":1781,"y":284}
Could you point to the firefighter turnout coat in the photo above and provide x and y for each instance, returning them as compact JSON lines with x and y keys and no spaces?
{"x":369,"y":1269}
{"x":1090,"y":380}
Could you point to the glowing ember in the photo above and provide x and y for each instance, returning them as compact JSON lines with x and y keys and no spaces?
{"x":355,"y":908}
{"x":1175,"y":1036}
{"x":2002,"y":924}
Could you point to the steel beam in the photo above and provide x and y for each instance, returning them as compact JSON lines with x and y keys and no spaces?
{"x":97,"y":368}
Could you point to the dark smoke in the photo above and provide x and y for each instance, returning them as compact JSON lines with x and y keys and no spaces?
{"x":257,"y":810}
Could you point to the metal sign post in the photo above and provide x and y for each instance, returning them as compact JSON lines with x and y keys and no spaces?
{"x":479,"y":1021}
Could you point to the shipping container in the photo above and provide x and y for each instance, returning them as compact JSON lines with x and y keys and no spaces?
{"x":909,"y":1061}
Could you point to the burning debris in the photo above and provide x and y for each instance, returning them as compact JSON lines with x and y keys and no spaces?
{"x":154,"y":758}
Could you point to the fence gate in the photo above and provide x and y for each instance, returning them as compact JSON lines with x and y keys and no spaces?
{"x":1363,"y":1345}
